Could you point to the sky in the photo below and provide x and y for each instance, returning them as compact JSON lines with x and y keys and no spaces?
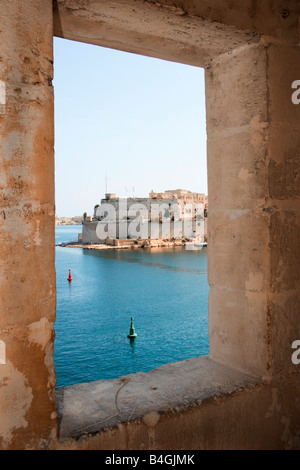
{"x":124,"y":123}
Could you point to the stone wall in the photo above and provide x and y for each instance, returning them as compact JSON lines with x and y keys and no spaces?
{"x":250,"y":51}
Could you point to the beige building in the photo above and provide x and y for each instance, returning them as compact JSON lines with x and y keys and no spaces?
{"x":245,"y":393}
{"x":180,"y":194}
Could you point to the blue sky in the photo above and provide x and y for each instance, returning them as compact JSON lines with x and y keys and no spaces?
{"x":137,"y":120}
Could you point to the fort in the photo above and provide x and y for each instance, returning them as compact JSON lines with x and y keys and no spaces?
{"x":245,"y":393}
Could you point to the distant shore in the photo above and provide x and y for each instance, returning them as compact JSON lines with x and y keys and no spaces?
{"x":77,"y":220}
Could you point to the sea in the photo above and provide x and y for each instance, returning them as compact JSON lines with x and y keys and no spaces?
{"x":165,"y":290}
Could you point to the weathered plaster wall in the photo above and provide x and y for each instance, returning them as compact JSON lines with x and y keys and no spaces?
{"x":27,"y":276}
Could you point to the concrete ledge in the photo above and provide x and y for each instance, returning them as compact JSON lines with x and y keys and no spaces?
{"x":88,"y":408}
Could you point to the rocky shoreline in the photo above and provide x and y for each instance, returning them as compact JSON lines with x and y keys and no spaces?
{"x":68,"y":220}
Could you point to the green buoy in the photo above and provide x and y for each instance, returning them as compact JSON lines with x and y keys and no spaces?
{"x":132,"y":334}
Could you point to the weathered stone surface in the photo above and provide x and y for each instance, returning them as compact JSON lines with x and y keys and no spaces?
{"x":91,"y":407}
{"x":251,"y":54}
{"x":196,"y":404}
{"x":270,"y":18}
{"x":238,"y":328}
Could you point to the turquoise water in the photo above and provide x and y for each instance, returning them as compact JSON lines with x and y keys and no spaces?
{"x":165,"y":290}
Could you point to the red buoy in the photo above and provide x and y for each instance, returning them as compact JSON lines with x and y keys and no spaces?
{"x":70,"y":277}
